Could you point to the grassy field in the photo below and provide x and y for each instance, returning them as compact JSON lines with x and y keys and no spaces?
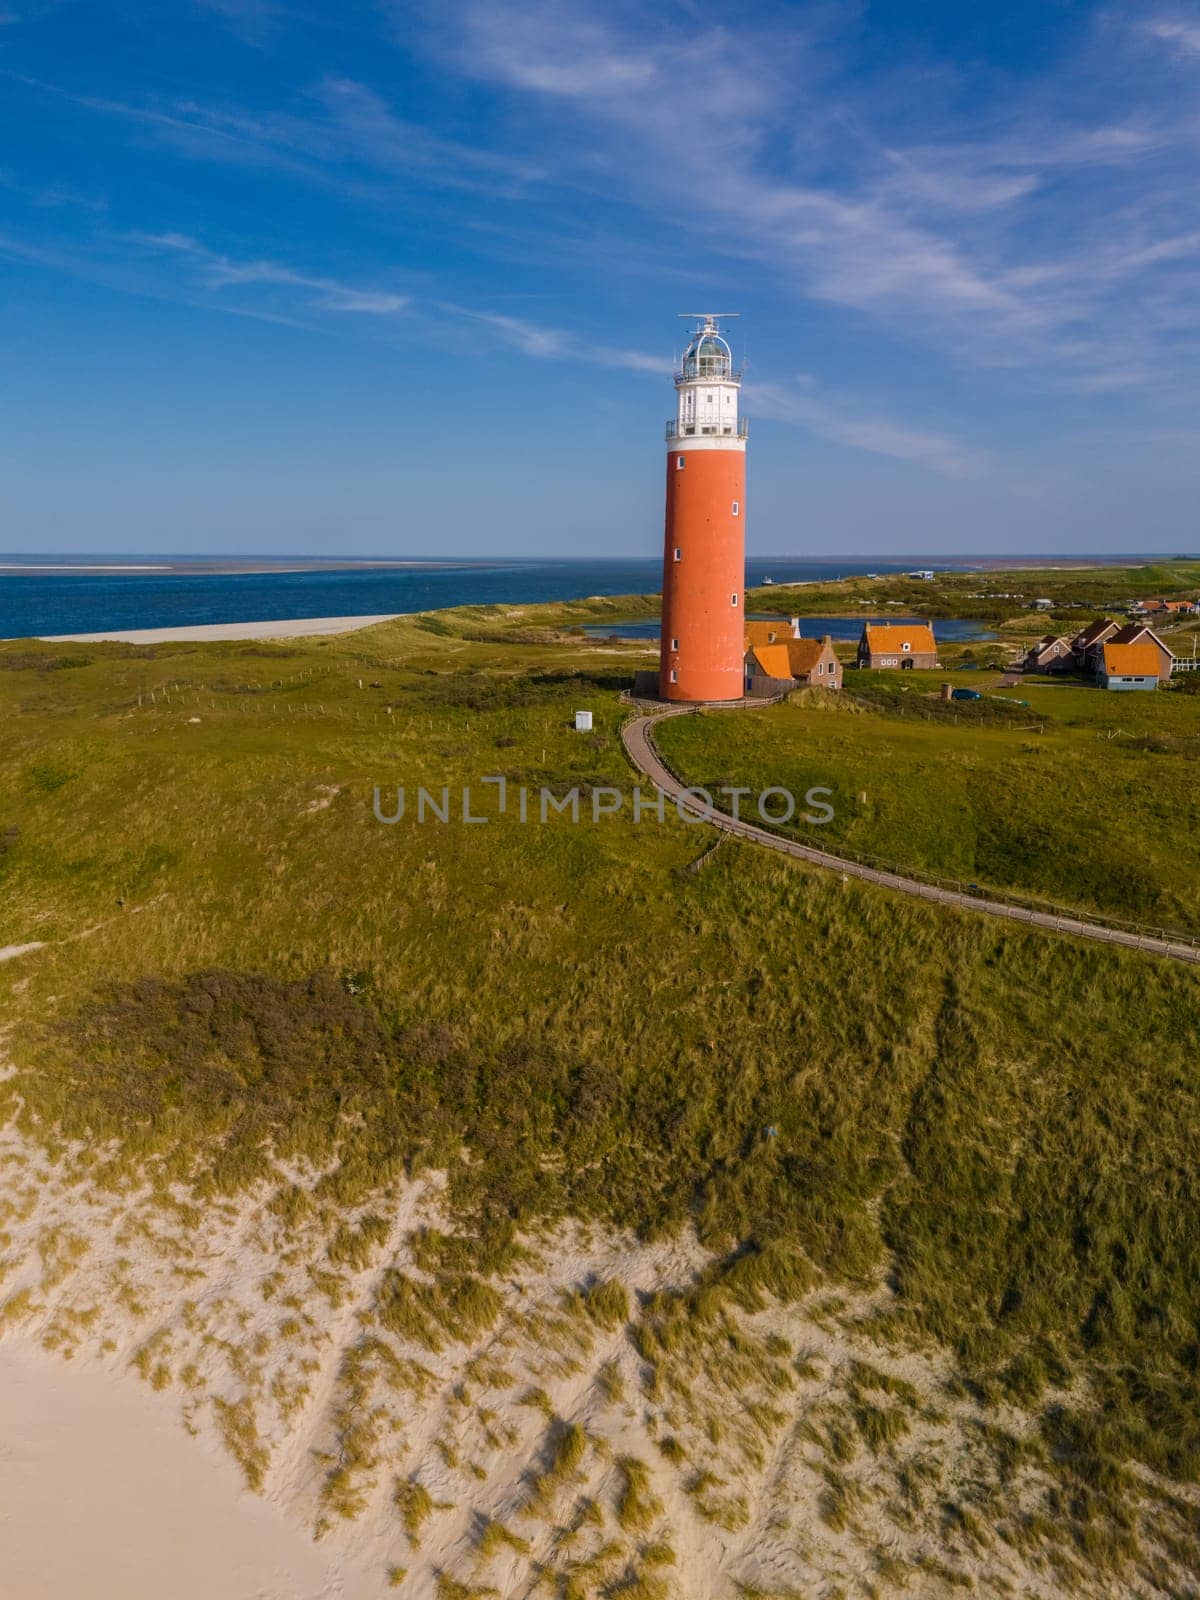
{"x":242,"y":967}
{"x":1083,"y":798}
{"x":1078,"y":593}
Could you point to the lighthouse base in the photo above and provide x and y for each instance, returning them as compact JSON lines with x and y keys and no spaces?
{"x":713,"y":691}
{"x":646,"y":687}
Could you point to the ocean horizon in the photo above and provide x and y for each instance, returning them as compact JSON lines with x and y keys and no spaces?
{"x":52,"y":593}
{"x":80,"y":596}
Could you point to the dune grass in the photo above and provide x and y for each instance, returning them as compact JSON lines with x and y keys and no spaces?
{"x":1085,"y":798}
{"x":828,"y":1083}
{"x":637,"y":1505}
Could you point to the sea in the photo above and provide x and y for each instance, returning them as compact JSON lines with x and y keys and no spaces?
{"x":52,"y":594}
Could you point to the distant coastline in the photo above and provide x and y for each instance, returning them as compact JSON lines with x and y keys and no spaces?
{"x":118,"y":593}
{"x":208,"y":632}
{"x":66,"y":563}
{"x":222,"y":566}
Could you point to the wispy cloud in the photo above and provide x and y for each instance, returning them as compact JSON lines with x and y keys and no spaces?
{"x":1038,"y":226}
{"x":836,"y":420}
{"x":341,"y":133}
{"x":217,"y":271}
{"x":557,"y":344}
{"x":309,"y":294}
{"x":1182,"y":34}
{"x":800,"y":404}
{"x":253,"y":21}
{"x":52,"y":197}
{"x":998,"y":246}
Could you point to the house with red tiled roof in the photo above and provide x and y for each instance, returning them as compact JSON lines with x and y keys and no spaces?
{"x":775,"y":631}
{"x":897,"y":644}
{"x":792,"y":663}
{"x":814,"y":662}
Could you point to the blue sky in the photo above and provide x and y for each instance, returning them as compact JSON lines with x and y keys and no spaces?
{"x":385,"y":278}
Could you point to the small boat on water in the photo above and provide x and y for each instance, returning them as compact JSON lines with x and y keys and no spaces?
{"x":768,"y":580}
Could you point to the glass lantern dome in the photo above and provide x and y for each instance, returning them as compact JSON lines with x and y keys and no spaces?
{"x":708,"y":356}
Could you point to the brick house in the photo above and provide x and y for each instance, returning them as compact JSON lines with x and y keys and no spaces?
{"x":777,"y":631}
{"x":896,"y":644}
{"x":814,"y":662}
{"x":792,"y":663}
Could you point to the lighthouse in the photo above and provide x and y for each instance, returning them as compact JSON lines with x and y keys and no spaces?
{"x":704,"y":552}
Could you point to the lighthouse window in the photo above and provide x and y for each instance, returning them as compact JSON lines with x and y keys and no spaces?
{"x":737,"y":510}
{"x":679,"y":460}
{"x":674,"y":644}
{"x":674,"y":676}
{"x":678,"y":553}
{"x":733,"y":599}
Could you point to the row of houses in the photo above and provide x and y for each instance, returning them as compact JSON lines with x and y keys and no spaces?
{"x":778,"y":658}
{"x":1136,"y":608}
{"x":1118,"y":657}
{"x":1166,"y":608}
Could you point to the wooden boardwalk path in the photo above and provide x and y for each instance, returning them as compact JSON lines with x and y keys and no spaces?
{"x":639,"y":746}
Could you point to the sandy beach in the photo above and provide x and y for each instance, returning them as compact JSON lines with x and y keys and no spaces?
{"x":289,"y":628}
{"x":103,"y":1494}
{"x":217,"y":1403}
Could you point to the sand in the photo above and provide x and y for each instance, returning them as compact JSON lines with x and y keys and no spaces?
{"x":146,"y":1346}
{"x":103,"y":1494}
{"x":292,"y":628}
{"x":9,"y":952}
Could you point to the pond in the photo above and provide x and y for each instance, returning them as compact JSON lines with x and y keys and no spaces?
{"x":953,"y":630}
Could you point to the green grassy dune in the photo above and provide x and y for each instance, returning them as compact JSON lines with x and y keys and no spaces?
{"x":1078,"y":593}
{"x":1078,"y":797}
{"x":833,"y":1085}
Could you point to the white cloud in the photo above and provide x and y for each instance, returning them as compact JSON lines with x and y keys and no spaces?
{"x":1184,"y":35}
{"x":998,"y":237}
{"x":345,"y":137}
{"x":557,"y":344}
{"x":833,"y":420}
{"x":219,"y":271}
{"x":799,"y":404}
{"x":693,"y":131}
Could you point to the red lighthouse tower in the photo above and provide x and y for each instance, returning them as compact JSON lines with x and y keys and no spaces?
{"x":704,"y":556}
